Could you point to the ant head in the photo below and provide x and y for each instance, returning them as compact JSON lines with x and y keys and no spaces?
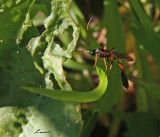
{"x":93,"y":52}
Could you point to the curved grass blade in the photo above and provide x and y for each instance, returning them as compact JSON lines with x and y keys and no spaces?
{"x":88,"y":96}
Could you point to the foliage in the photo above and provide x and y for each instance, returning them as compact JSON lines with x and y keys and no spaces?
{"x":38,"y":44}
{"x":29,"y":112}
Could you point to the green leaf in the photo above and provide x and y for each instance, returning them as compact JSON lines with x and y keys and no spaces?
{"x":157,"y":2}
{"x":57,"y":118}
{"x":149,"y":40}
{"x":142,"y":124}
{"x":13,"y":73}
{"x":47,"y":53}
{"x":87,"y":96}
{"x":145,"y":37}
{"x":137,"y":7}
{"x":139,"y":123}
{"x":27,"y":31}
{"x":71,"y":64}
{"x":79,"y":19}
{"x":12,"y":16}
{"x":115,"y":38}
{"x":23,"y":113}
{"x":90,"y":121}
{"x":144,"y":32}
{"x":145,"y":74}
{"x":152,"y":88}
{"x":13,"y":13}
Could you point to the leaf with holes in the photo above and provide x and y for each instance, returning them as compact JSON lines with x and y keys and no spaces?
{"x":55,"y":44}
{"x":23,"y":113}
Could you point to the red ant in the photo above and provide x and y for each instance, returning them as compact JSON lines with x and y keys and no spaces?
{"x":109,"y":55}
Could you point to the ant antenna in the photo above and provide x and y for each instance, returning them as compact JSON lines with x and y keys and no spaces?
{"x":82,"y":51}
{"x":87,"y":32}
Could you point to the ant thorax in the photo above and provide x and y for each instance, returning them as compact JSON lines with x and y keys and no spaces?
{"x":102,"y":53}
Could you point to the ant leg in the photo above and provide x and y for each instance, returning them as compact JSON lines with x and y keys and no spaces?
{"x":123,"y":74}
{"x":113,"y":49}
{"x":105,"y":47}
{"x":121,"y":66}
{"x":110,"y":68}
{"x":111,"y":57}
{"x":95,"y":60}
{"x":105,"y":63}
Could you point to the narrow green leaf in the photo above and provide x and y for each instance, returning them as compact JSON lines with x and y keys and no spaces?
{"x":157,"y":2}
{"x":87,"y":96}
{"x":139,"y":123}
{"x":145,"y":101}
{"x":115,"y":38}
{"x":137,"y":7}
{"x":152,"y":88}
{"x":144,"y":32}
{"x":142,"y":124}
{"x":148,"y":40}
{"x":143,"y":73}
{"x":89,"y":124}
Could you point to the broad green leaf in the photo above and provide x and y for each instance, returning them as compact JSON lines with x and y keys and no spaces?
{"x":13,"y":73}
{"x":23,"y":113}
{"x":57,"y":118}
{"x":87,"y":96}
{"x":12,"y":16}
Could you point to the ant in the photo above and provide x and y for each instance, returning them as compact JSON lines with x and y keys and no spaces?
{"x":109,"y":55}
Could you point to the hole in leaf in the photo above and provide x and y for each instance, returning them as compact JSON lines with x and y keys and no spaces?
{"x":57,"y":40}
{"x":63,"y":39}
{"x":52,"y":78}
{"x":41,"y":29}
{"x":17,"y":124}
